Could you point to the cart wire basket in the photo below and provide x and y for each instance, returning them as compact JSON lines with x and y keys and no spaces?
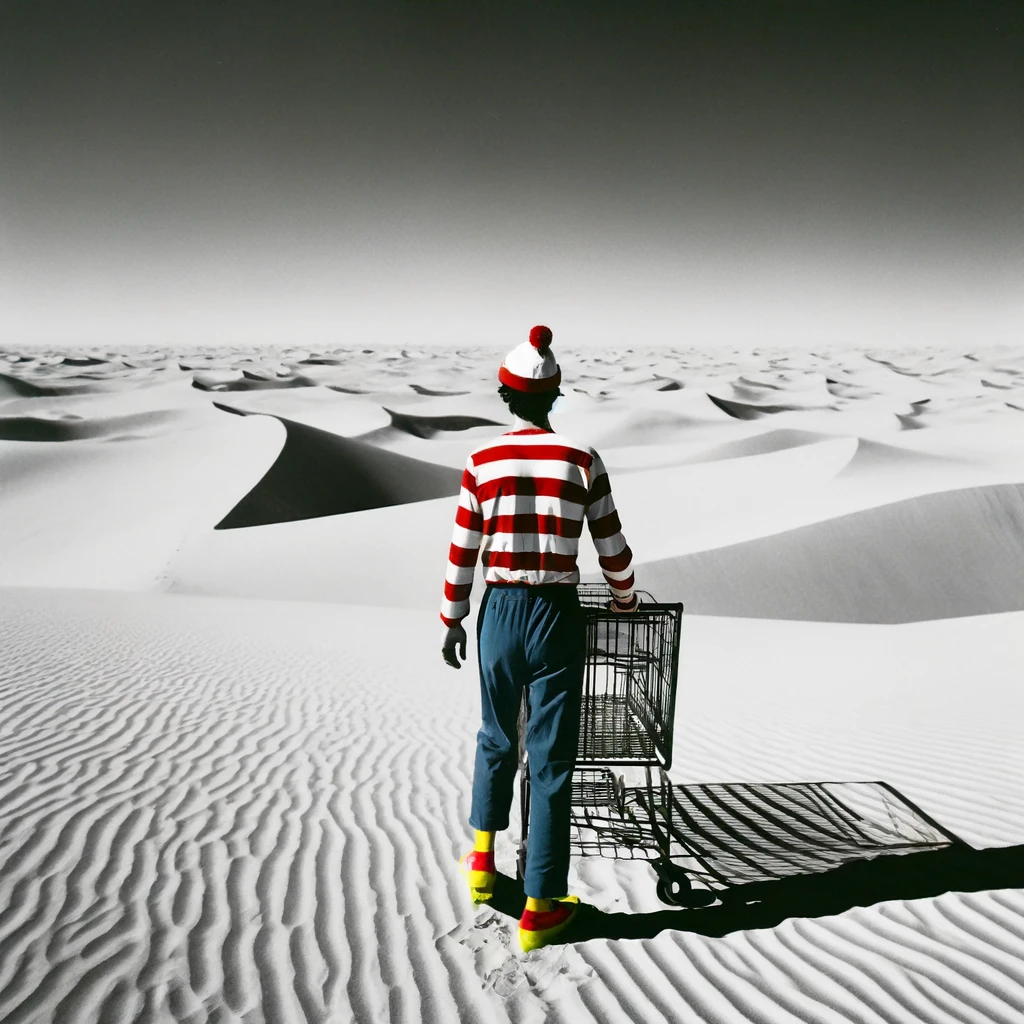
{"x":629,"y":683}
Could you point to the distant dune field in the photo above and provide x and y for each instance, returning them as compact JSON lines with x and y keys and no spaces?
{"x":235,"y":772}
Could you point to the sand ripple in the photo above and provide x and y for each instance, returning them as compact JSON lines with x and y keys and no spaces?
{"x":246,"y":847}
{"x":244,"y":811}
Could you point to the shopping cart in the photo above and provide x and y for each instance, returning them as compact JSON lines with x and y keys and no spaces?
{"x":626,"y":720}
{"x":726,"y":838}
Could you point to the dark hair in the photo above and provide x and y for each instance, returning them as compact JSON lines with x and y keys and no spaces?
{"x":528,"y":405}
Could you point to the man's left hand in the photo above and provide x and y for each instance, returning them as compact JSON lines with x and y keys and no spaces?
{"x":455,"y":638}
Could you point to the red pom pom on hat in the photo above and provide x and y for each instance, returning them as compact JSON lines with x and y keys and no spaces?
{"x":540,"y":338}
{"x":531,"y":366}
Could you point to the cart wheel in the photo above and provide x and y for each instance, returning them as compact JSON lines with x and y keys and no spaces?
{"x":673,"y":885}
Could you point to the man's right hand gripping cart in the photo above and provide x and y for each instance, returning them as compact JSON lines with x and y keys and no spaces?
{"x":623,"y":609}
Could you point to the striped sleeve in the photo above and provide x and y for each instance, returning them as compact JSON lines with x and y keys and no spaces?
{"x":464,"y":550}
{"x":613,"y":553}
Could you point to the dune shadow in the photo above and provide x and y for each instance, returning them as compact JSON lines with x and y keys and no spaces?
{"x":749,"y":411}
{"x":318,"y":473}
{"x":84,"y":361}
{"x":21,"y":387}
{"x":431,"y":426}
{"x":71,"y":427}
{"x":250,"y":381}
{"x":434,"y":393}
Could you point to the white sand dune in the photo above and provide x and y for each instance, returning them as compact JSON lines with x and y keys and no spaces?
{"x":99,"y":515}
{"x":346,"y":415}
{"x":385,"y":549}
{"x":608,"y":424}
{"x":661,"y":417}
{"x":72,"y":427}
{"x":758,"y":444}
{"x":872,"y":457}
{"x":19,"y":387}
{"x":875,"y":459}
{"x":708,"y":505}
{"x":912,"y":420}
{"x":246,"y":380}
{"x":750,"y":382}
{"x":321,"y":361}
{"x":235,"y":772}
{"x":847,"y":389}
{"x":716,"y":504}
{"x":444,"y":448}
{"x":936,"y":556}
{"x":84,"y":360}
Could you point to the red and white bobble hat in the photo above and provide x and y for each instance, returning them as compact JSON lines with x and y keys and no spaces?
{"x":531,"y":366}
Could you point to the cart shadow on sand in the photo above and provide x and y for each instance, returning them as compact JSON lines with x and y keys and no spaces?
{"x":760,"y":854}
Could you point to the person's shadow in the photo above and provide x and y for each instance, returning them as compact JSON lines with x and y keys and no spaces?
{"x":764,"y":853}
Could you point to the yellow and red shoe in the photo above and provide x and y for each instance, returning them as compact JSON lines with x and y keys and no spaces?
{"x":478,"y":867}
{"x":539,"y":927}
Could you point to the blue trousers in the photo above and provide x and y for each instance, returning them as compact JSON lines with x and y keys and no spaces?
{"x":531,"y":637}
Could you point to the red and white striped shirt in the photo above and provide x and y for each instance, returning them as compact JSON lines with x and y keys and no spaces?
{"x":522,"y":503}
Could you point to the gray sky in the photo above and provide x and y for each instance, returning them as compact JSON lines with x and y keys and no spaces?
{"x":785,"y":171}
